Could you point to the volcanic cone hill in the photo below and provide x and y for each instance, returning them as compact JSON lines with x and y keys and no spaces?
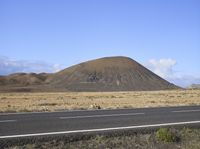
{"x":104,"y":74}
{"x":108,"y":74}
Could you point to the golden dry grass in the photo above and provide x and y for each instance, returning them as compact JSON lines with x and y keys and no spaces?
{"x":45,"y":101}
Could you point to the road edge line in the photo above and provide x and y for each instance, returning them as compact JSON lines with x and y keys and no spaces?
{"x":99,"y":129}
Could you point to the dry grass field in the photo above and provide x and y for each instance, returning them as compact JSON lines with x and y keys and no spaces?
{"x":56,"y":101}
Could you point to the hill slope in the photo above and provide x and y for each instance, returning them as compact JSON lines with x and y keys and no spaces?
{"x":108,"y":74}
{"x":104,"y":74}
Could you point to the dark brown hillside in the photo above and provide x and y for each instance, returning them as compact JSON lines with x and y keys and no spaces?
{"x":23,"y":79}
{"x":104,"y":74}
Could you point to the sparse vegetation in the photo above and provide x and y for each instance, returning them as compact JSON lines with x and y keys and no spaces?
{"x":188,"y":139}
{"x":48,"y":101}
{"x":166,"y":135}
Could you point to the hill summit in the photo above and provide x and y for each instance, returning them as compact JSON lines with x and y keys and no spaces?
{"x":104,"y":74}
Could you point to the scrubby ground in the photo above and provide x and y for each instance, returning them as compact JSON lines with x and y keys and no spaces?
{"x":57,"y":101}
{"x":186,"y":138}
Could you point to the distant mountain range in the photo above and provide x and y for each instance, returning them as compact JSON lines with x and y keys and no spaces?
{"x":194,"y":86}
{"x":104,"y":74}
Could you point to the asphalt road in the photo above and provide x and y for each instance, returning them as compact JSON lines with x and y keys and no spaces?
{"x":52,"y":123}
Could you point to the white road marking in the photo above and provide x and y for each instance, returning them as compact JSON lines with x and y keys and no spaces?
{"x":107,"y":115}
{"x":99,"y":130}
{"x":185,"y":111}
{"x":7,"y":121}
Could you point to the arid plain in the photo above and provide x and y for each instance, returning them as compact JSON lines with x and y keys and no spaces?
{"x":58,"y":101}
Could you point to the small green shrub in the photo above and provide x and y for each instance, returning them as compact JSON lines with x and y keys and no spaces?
{"x":166,"y":135}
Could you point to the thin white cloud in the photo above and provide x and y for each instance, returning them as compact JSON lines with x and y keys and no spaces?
{"x":185,"y":80}
{"x":165,"y":68}
{"x":8,"y":66}
{"x":162,"y":67}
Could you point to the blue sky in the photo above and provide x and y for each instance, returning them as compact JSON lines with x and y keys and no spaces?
{"x":48,"y":35}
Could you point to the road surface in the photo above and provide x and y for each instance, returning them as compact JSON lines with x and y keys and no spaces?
{"x":13,"y":125}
